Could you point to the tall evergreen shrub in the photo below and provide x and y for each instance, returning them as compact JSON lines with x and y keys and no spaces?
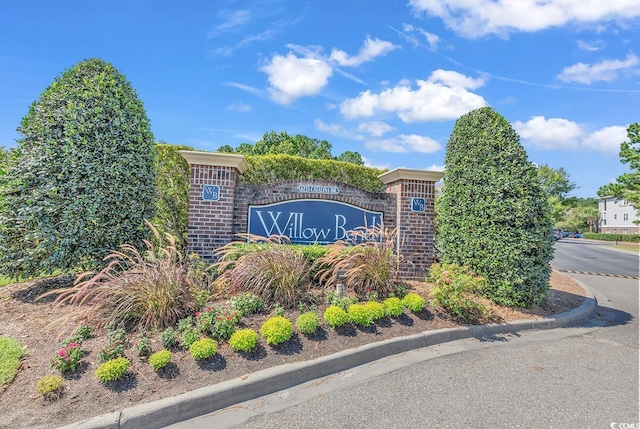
{"x":493,"y":215}
{"x":85,"y":177}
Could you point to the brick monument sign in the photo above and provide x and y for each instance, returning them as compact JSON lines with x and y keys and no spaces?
{"x":308,"y":211}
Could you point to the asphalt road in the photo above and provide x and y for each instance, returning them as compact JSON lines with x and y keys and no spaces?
{"x":580,"y":377}
{"x":594,"y":256}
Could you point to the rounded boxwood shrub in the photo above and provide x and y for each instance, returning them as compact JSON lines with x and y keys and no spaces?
{"x":493,"y":215}
{"x":276,"y":330}
{"x":307,"y":323}
{"x":243,"y":340}
{"x":375,"y":309}
{"x":413,"y":302}
{"x":113,"y":369}
{"x":203,"y":348}
{"x":160,"y":359}
{"x":393,"y":306}
{"x":360,"y":314}
{"x":335,"y":316}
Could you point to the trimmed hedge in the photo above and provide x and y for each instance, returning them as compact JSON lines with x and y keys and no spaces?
{"x":633,"y":238}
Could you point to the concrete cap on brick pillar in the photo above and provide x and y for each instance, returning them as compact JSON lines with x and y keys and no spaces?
{"x":410,"y":174}
{"x":218,"y":159}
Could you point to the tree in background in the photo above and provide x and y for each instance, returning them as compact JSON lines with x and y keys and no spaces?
{"x":273,"y":143}
{"x":172,"y":187}
{"x":84,"y":180}
{"x":493,"y":215}
{"x":627,"y":186}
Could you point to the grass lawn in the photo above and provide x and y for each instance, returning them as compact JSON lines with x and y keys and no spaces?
{"x":629,"y":246}
{"x":11,"y":352}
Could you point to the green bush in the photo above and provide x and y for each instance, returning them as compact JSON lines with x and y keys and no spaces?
{"x":160,"y":359}
{"x":81,"y":334}
{"x":247,"y":304}
{"x":143,"y":344}
{"x":376,"y":309}
{"x":360,"y":315}
{"x":393,"y":306}
{"x":84,"y":179}
{"x":10,"y":354}
{"x":276,"y":330}
{"x":243,"y":340}
{"x":341,"y":301}
{"x":273,"y":168}
{"x":188,"y":337}
{"x":203,"y":348}
{"x":307,"y":323}
{"x":414,"y":302}
{"x":335,"y":316}
{"x":112,"y":370}
{"x":67,"y":358}
{"x":493,"y":215}
{"x":50,"y":386}
{"x":633,"y":238}
{"x":169,"y":338}
{"x":454,"y":289}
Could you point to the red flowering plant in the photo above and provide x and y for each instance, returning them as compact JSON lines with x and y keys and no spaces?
{"x":67,"y":358}
{"x":220,"y":322}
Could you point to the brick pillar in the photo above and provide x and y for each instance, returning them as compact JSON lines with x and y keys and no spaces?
{"x":415,"y":241}
{"x":213,"y":181}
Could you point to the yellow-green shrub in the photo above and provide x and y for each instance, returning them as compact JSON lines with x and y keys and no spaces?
{"x":335,"y":316}
{"x":50,"y":386}
{"x":276,"y":330}
{"x":113,"y":369}
{"x":307,"y":323}
{"x":160,"y":359}
{"x":243,"y":340}
{"x":413,"y":302}
{"x":203,"y":348}
{"x":393,"y":306}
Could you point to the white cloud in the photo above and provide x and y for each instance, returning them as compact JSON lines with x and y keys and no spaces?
{"x":432,"y":39}
{"x":239,"y":107}
{"x":337,"y":130}
{"x":607,"y":139}
{"x":592,"y":46}
{"x":244,"y":87}
{"x":558,"y":133}
{"x":291,"y":77}
{"x":372,"y":48}
{"x":375,"y":128}
{"x":369,"y":163}
{"x":475,"y":18}
{"x":434,"y":167}
{"x":606,"y":70}
{"x":405,"y":143}
{"x":444,"y":95}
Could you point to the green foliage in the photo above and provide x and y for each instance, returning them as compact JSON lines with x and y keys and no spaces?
{"x":276,"y":330}
{"x":172,"y":187}
{"x":393,"y":306}
{"x":84,"y":179}
{"x":112,"y":370}
{"x":50,"y":386}
{"x":307,"y":323}
{"x":243,"y":340}
{"x":341,"y":301}
{"x":555,"y":182}
{"x":627,"y":186}
{"x":169,"y":338}
{"x":493,"y":215}
{"x":335,"y":316}
{"x":81,"y":334}
{"x":272,"y":168}
{"x":376,"y":309}
{"x":136,"y":289}
{"x":360,"y":314}
{"x":143,"y":344}
{"x":185,"y":323}
{"x":220,"y":322}
{"x":67,"y":358}
{"x":203,"y":348}
{"x":11,"y":352}
{"x":454,"y":289}
{"x":160,"y":359}
{"x":188,"y":337}
{"x":112,"y":349}
{"x":414,"y":302}
{"x":633,"y":238}
{"x":579,"y":218}
{"x":278,"y":274}
{"x":370,"y":266}
{"x":247,"y":304}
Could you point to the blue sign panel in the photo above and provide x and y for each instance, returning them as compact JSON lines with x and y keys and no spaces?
{"x":417,"y":204}
{"x":309,"y":221}
{"x":211,"y":192}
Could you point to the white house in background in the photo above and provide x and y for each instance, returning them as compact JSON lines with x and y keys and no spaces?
{"x":617,"y":216}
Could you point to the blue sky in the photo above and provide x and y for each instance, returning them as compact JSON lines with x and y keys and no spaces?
{"x":385,"y":78}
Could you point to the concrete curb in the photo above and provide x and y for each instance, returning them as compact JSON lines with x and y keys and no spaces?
{"x":211,"y":398}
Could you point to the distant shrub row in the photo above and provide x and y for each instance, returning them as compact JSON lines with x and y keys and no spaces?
{"x":633,"y":238}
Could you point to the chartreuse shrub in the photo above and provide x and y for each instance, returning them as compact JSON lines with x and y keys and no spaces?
{"x":203,"y":348}
{"x":307,"y":322}
{"x":160,"y":359}
{"x":276,"y":330}
{"x":493,"y":215}
{"x":393,"y":306}
{"x":84,"y":178}
{"x":10,"y":354}
{"x":454,"y":289}
{"x":50,"y":386}
{"x":335,"y":316}
{"x":376,"y":309}
{"x":360,"y":315}
{"x":137,"y":289}
{"x":113,"y":369}
{"x":243,"y":340}
{"x":414,"y":302}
